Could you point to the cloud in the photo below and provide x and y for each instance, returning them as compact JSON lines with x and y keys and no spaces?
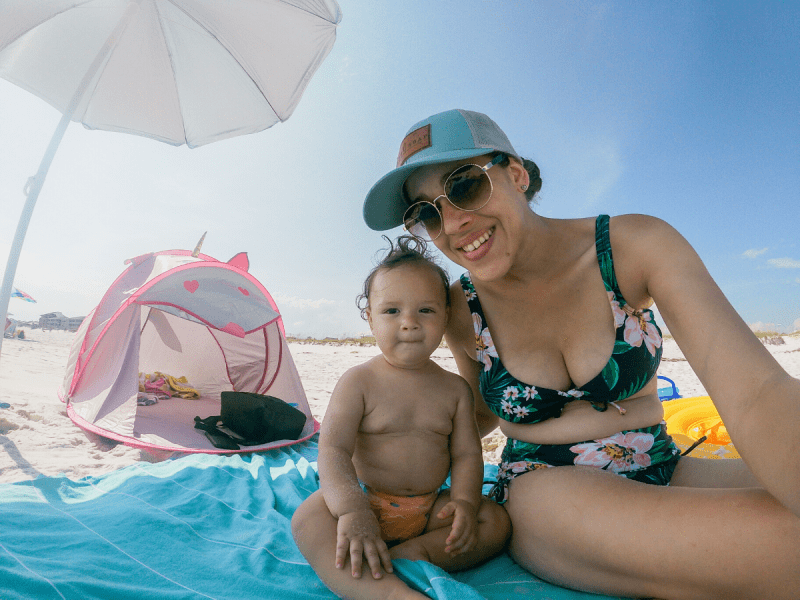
{"x":752,"y":253}
{"x":302,"y":303}
{"x":784,"y":263}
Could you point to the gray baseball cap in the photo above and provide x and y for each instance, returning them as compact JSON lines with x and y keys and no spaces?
{"x":444,"y":137}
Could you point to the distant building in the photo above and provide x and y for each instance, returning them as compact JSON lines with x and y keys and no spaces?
{"x":57,"y":320}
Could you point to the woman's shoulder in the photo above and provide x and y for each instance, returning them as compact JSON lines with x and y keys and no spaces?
{"x":635,"y":224}
{"x":645,"y":249}
{"x":640,"y":235}
{"x":628,"y":233}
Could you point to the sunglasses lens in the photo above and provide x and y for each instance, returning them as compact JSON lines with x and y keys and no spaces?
{"x":423,"y":221}
{"x":468,"y":187}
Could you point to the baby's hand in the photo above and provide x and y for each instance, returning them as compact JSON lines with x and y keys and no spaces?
{"x":464,"y":532}
{"x":359,"y":532}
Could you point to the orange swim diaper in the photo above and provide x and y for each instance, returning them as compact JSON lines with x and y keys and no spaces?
{"x":400,"y":517}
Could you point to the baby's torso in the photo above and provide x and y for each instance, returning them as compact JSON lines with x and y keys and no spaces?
{"x":403,"y":442}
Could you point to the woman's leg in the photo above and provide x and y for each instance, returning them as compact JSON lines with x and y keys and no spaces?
{"x":494,"y":528}
{"x":590,"y":530}
{"x":713,"y":473}
{"x":314,"y":531}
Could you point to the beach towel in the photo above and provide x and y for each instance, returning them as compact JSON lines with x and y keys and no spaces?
{"x":199,"y":526}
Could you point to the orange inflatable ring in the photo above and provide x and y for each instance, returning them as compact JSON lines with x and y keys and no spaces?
{"x":689,"y":419}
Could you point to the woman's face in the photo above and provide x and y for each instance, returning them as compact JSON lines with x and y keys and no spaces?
{"x":484,"y":241}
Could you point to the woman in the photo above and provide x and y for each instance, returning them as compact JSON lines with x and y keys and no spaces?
{"x":554,"y":334}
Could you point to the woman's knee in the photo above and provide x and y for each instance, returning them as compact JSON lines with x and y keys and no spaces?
{"x":310,"y":511}
{"x":495,"y":525}
{"x":491,"y":512}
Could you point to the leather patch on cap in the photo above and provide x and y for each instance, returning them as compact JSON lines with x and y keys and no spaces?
{"x":417,"y":140}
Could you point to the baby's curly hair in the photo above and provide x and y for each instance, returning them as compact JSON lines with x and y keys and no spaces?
{"x":406,"y":250}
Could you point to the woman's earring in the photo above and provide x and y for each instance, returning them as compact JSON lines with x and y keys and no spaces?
{"x":524,"y":187}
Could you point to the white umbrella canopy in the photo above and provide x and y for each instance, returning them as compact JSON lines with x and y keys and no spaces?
{"x":178,"y":71}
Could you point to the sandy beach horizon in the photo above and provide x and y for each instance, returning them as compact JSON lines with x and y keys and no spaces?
{"x":38,"y":438}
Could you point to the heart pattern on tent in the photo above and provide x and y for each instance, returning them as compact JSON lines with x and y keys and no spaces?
{"x":234,"y":329}
{"x":191,"y":286}
{"x":244,"y":291}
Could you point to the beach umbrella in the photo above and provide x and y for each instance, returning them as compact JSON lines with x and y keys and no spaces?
{"x":178,"y":71}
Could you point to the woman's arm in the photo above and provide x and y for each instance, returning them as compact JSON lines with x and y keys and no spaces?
{"x":757,"y":400}
{"x":460,"y":338}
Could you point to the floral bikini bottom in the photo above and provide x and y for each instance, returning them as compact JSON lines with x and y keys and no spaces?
{"x":648,"y":455}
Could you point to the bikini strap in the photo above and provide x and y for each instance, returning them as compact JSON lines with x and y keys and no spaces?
{"x":471,"y":295}
{"x":602,"y":242}
{"x":473,"y":303}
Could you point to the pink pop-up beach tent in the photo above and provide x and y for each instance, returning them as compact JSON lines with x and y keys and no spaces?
{"x":180,"y":315}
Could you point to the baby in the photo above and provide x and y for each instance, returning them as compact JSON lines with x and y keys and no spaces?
{"x":395,"y":427}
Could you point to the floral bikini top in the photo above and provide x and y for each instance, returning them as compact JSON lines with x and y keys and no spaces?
{"x":634,"y":360}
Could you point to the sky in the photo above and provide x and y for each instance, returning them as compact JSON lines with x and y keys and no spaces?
{"x":687,"y":110}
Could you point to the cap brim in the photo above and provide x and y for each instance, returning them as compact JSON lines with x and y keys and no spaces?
{"x":385,"y":206}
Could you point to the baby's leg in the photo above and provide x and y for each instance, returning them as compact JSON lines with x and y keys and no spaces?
{"x":494,"y":529}
{"x":314,"y":531}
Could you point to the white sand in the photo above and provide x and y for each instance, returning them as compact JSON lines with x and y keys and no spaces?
{"x":37,"y":437}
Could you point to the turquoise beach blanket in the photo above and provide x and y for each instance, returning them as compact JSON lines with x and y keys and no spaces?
{"x":200,"y":526}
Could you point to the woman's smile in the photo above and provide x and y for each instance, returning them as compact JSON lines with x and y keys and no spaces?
{"x":475,"y":244}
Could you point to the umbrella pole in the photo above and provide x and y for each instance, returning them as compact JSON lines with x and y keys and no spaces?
{"x":35,"y":183}
{"x":32,"y":189}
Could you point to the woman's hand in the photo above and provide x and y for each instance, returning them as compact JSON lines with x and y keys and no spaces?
{"x":464,"y":531}
{"x":359,"y":533}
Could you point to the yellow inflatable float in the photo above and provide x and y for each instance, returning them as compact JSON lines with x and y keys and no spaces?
{"x":689,"y":419}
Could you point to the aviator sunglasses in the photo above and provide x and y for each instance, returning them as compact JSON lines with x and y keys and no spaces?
{"x":468,"y":188}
